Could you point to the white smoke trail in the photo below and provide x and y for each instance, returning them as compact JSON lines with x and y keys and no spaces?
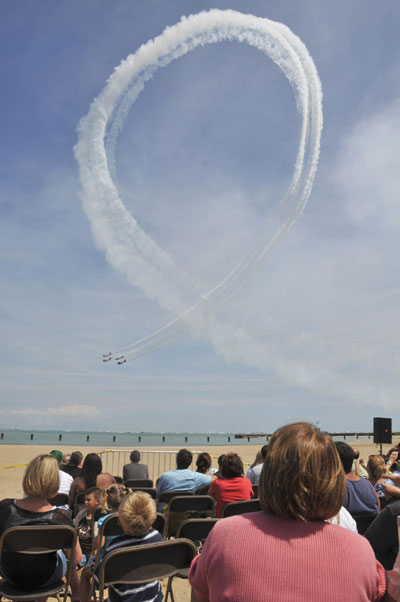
{"x":128,"y":248}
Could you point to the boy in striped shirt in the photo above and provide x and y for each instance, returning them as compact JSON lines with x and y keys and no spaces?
{"x":136,"y":514}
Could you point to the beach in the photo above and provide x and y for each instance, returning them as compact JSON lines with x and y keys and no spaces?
{"x":19,"y":455}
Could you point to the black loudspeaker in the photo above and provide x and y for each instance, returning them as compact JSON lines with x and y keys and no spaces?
{"x":382,"y":430}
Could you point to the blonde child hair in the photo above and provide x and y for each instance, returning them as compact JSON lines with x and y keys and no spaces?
{"x":137,"y":513}
{"x":111,"y":497}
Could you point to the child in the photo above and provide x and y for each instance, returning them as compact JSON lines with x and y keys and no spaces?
{"x":83,"y":522}
{"x":110,"y":500}
{"x":136,"y":514}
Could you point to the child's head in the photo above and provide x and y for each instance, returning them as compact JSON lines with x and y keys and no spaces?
{"x":92,"y":499}
{"x":111,"y":497}
{"x":137,"y":513}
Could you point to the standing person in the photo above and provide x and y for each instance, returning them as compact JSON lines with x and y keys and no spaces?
{"x":232,"y":486}
{"x":32,"y":571}
{"x":134,"y":470}
{"x":183,"y":479}
{"x":287,"y":551}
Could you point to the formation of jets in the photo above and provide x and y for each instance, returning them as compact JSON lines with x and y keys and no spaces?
{"x":108,"y":357}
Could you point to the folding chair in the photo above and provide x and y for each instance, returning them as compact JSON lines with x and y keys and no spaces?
{"x":139,"y":483}
{"x":364,"y":520}
{"x":241,"y":507}
{"x":180,"y":506}
{"x":160,"y":523}
{"x":79,"y":503}
{"x":145,"y":563}
{"x":165,"y":496}
{"x":110,"y":527}
{"x":61,"y":499}
{"x":35,"y":539}
{"x":197,"y":530}
{"x":150,"y":490}
{"x":255,"y":489}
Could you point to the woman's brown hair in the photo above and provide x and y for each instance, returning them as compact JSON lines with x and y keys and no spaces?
{"x":303,"y":477}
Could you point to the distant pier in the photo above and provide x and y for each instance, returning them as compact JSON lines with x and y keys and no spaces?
{"x":266,"y":436}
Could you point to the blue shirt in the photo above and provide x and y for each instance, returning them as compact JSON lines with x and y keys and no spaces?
{"x":182,"y":480}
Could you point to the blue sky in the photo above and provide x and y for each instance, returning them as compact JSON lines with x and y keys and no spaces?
{"x":206,"y":153}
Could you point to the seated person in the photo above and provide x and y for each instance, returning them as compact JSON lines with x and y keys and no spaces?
{"x":110,"y":500}
{"x":83,"y":522}
{"x":74,"y":466}
{"x":182,"y":479}
{"x":136,"y":514}
{"x":32,"y":571}
{"x":376,"y":468}
{"x":360,"y":497}
{"x":358,"y":466}
{"x":134,"y":470}
{"x":254,"y":472}
{"x":382,"y":534}
{"x":65,"y":479}
{"x":203,"y":463}
{"x":232,"y":486}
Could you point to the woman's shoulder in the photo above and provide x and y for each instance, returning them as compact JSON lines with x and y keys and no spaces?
{"x":61,"y":517}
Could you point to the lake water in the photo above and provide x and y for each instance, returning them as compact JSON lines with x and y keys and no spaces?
{"x":77,"y":439}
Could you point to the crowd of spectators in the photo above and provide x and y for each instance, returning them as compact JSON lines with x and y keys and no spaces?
{"x":303,"y":545}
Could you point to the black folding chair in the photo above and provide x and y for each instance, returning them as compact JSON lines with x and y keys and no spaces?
{"x":165,"y":496}
{"x":139,"y":483}
{"x":34,"y":539}
{"x":197,"y":530}
{"x":79,"y":503}
{"x":145,"y":563}
{"x":160,"y":523}
{"x":364,"y":520}
{"x":241,"y":507}
{"x":61,"y":499}
{"x":180,"y":508}
{"x":150,"y":490}
{"x":109,"y":527}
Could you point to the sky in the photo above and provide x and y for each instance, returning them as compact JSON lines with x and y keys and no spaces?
{"x":206,"y":153}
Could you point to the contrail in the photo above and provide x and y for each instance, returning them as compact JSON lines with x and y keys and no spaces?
{"x":128,"y":248}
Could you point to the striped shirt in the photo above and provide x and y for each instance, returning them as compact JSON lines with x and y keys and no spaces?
{"x":131,"y":592}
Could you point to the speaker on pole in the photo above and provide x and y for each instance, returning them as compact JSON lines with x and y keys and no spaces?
{"x":382,"y":430}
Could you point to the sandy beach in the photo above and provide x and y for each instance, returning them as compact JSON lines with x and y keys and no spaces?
{"x":19,"y":455}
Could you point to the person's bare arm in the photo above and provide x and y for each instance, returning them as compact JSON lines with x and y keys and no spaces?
{"x":391,"y":491}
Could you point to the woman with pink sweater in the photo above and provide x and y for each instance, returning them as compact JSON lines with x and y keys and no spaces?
{"x":288,"y":552}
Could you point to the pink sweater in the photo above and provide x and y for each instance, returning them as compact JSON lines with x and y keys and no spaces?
{"x":259,"y":557}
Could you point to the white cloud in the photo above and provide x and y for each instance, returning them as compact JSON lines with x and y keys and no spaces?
{"x":74,"y":409}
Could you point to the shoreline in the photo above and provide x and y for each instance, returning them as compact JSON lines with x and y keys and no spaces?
{"x":17,"y":456}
